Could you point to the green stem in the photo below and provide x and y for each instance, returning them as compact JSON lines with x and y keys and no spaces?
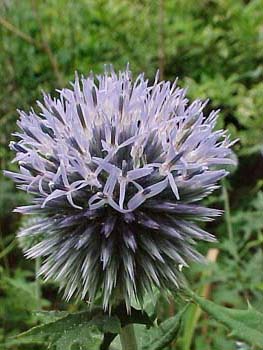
{"x":3,"y":254}
{"x":227,"y":212}
{"x":7,"y":249}
{"x":37,"y":281}
{"x":229,"y":220}
{"x":128,"y":339}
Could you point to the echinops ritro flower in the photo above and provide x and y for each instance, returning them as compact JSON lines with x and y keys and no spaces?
{"x":116,"y":167}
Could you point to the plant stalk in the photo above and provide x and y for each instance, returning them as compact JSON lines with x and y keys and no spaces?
{"x":229,"y":220}
{"x":37,"y":281}
{"x":128,"y":339}
{"x":227,"y":212}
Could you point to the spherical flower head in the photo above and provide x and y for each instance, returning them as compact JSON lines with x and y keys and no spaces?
{"x":116,"y":167}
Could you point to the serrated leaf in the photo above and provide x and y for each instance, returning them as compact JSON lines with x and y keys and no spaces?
{"x":158,"y":338}
{"x":135,"y":316}
{"x":82,"y":337}
{"x":107,"y":324}
{"x":246,"y":325}
{"x":49,"y":316}
{"x":81,"y":328}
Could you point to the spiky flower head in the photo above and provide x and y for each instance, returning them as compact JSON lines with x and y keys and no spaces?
{"x":116,"y":167}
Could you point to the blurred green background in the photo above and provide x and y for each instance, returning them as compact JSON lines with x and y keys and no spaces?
{"x":215,"y":48}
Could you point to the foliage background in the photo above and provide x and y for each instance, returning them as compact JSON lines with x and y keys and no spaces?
{"x":215,"y":48}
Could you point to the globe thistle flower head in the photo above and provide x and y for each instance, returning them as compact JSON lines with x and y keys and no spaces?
{"x":116,"y":167}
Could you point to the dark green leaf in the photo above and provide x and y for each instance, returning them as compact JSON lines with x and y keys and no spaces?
{"x":81,"y":328}
{"x":246,"y":325}
{"x":135,"y":316}
{"x":158,"y":338}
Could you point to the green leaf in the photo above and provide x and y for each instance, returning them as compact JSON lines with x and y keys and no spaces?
{"x":77,"y":329}
{"x":49,"y":316}
{"x":190,"y":321}
{"x":158,"y":338}
{"x":244,"y":324}
{"x":107,"y":324}
{"x":134,"y":317}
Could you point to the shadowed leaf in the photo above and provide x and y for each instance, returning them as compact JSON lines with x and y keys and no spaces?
{"x":158,"y":338}
{"x":78,"y":329}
